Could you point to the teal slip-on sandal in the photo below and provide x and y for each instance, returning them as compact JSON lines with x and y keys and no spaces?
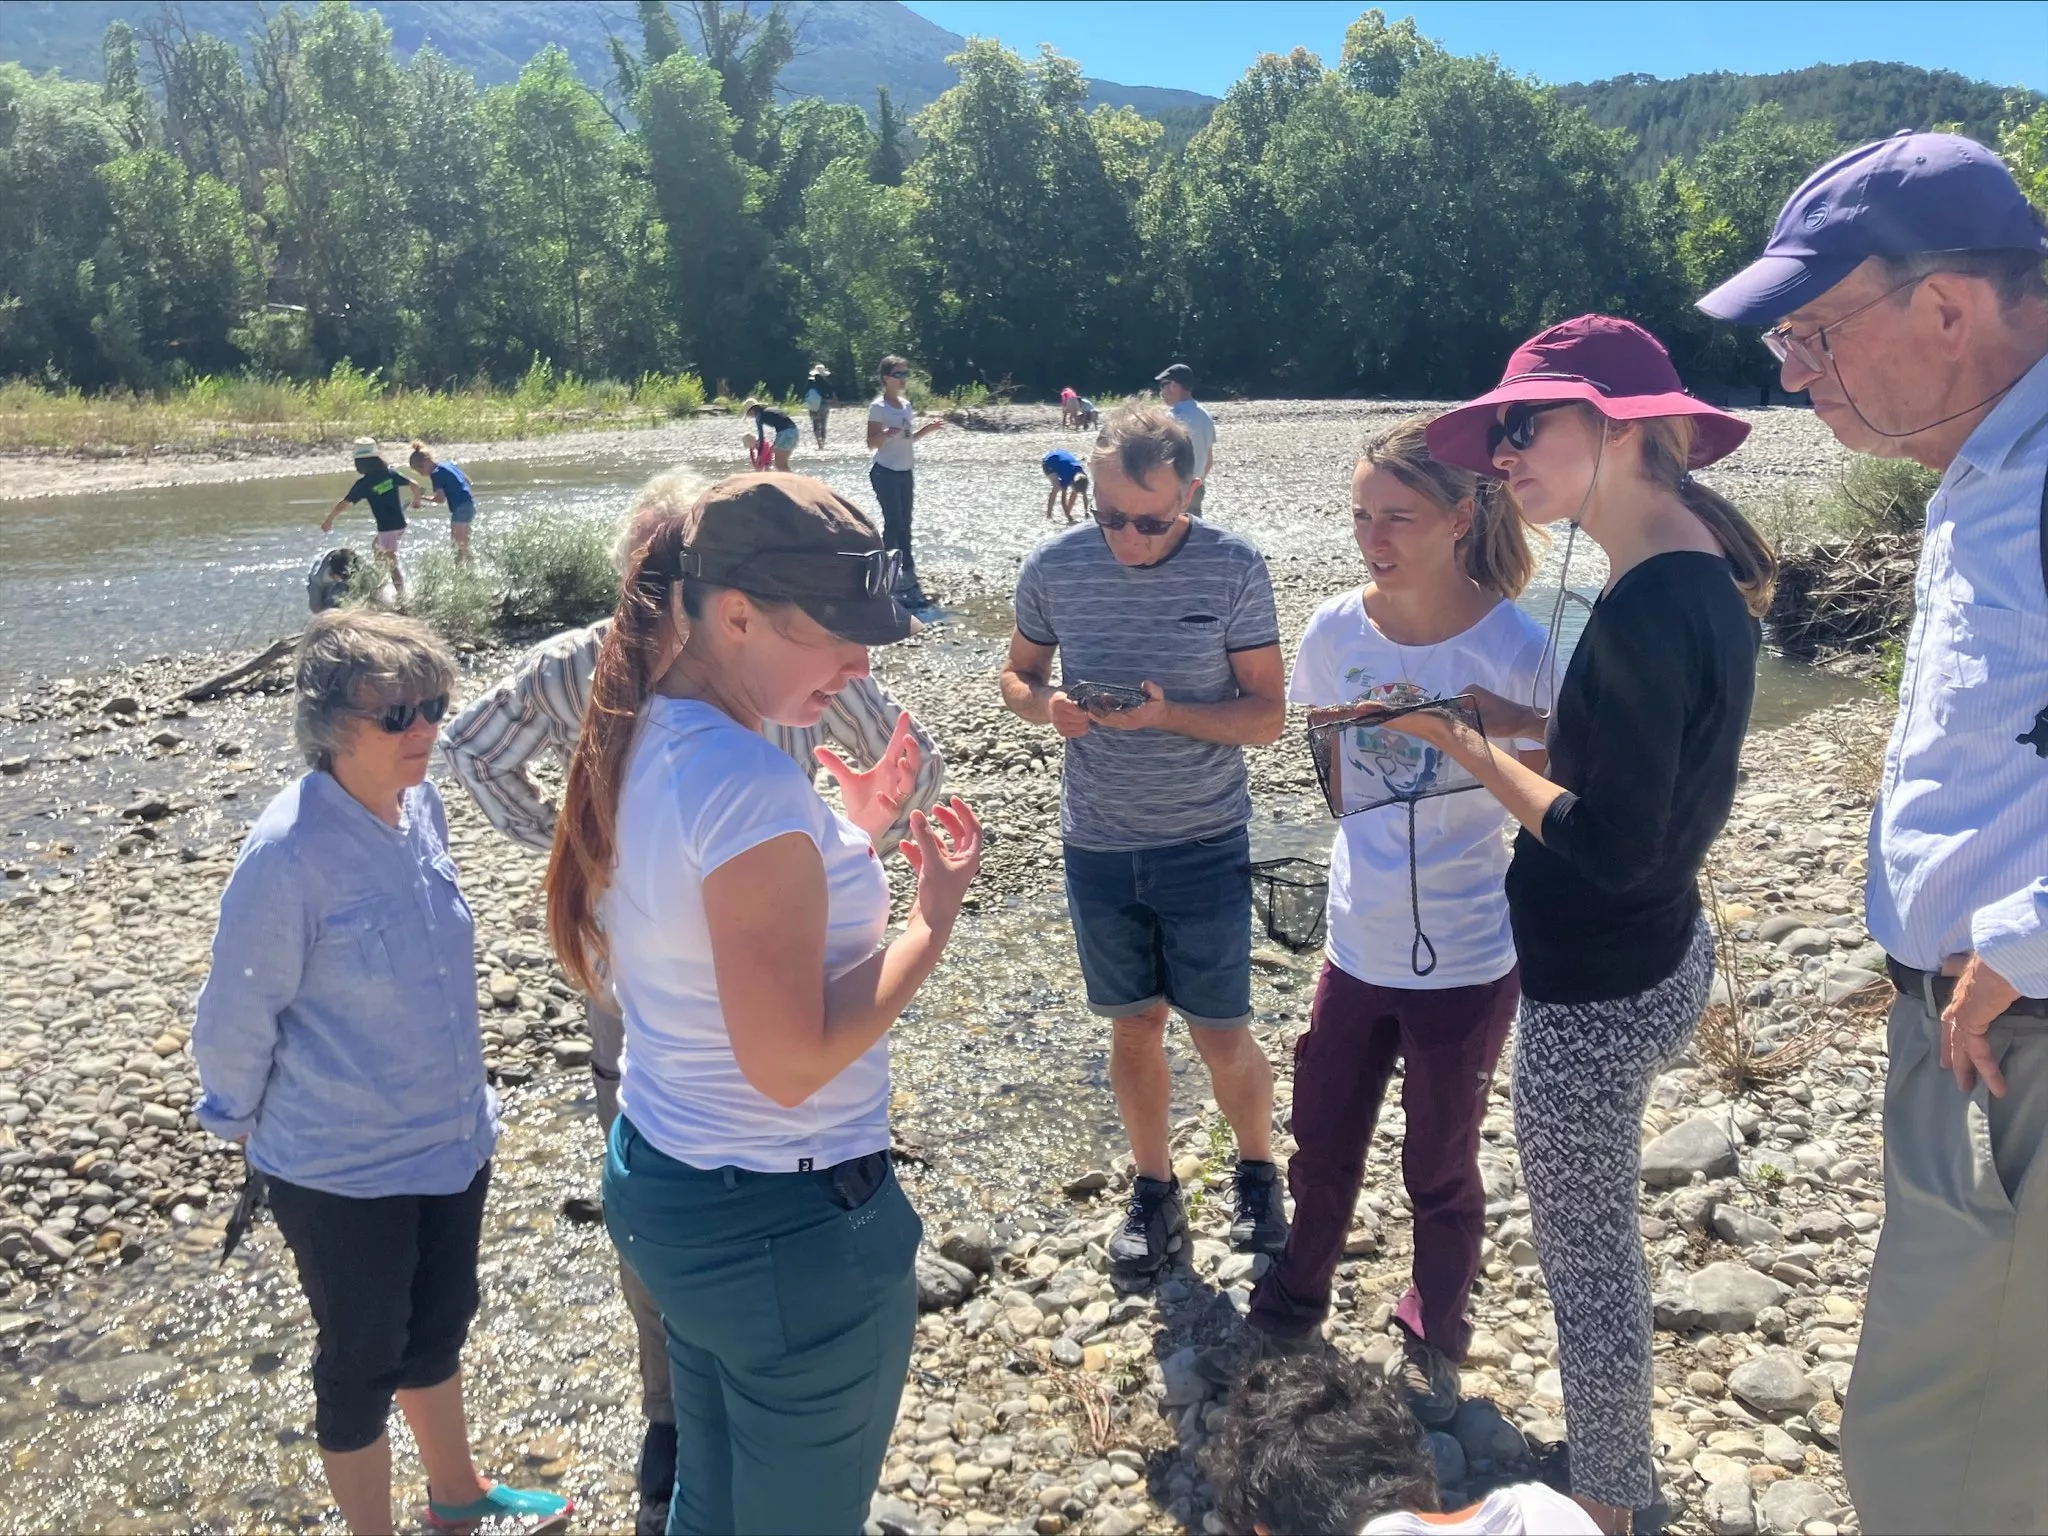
{"x":502,"y":1512}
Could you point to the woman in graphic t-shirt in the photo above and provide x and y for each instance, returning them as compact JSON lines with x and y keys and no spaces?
{"x":892,"y":432}
{"x":1591,"y":424}
{"x":1443,"y":561}
{"x":377,"y":483}
{"x":741,"y":922}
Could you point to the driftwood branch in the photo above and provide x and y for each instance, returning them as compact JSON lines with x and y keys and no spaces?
{"x":262,"y":661}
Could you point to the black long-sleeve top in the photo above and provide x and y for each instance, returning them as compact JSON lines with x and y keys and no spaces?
{"x":1645,"y":741}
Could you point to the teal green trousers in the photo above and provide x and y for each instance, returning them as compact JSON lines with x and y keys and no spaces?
{"x":789,"y":1322}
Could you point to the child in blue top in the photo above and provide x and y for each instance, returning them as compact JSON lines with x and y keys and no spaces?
{"x":1066,"y":482}
{"x":451,"y":485}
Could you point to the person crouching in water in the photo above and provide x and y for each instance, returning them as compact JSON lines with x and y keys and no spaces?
{"x":1066,"y":482}
{"x":1444,"y":558}
{"x":448,"y":484}
{"x":767,"y":419}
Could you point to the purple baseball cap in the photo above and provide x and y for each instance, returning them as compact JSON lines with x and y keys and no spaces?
{"x":1909,"y":193}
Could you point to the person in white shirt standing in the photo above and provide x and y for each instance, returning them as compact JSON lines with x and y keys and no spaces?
{"x":741,"y":922}
{"x":1905,"y":289}
{"x":1444,"y":559}
{"x":893,"y":435}
{"x":537,"y":711}
{"x":1177,"y":392}
{"x":818,"y":401}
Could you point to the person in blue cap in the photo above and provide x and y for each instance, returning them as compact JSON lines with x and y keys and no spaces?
{"x":1066,"y":482}
{"x":1903,"y":290}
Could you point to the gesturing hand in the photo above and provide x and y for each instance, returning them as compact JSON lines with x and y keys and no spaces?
{"x":1981,"y":995}
{"x":945,"y":858}
{"x":874,"y":798}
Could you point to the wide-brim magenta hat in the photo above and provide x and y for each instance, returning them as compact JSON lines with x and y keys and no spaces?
{"x":1614,"y":365}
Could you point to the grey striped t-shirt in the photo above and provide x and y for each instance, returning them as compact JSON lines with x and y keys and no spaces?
{"x":1175,"y":624}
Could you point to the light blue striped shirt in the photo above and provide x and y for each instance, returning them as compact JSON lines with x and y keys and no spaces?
{"x":1959,"y":839}
{"x":338,"y":1027}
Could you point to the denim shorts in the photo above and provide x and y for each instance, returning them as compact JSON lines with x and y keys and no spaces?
{"x":787,"y":439}
{"x":1172,"y":923}
{"x":461,"y":511}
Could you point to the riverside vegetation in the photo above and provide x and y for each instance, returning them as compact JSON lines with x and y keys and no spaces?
{"x":1389,"y":221}
{"x":146,"y":1388}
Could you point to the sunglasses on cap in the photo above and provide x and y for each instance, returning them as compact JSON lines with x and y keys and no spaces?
{"x":1517,"y":426}
{"x":840,"y":574}
{"x":1151,"y":527}
{"x":397,"y":719}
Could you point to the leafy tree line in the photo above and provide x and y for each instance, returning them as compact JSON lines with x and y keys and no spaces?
{"x":1392,"y":224}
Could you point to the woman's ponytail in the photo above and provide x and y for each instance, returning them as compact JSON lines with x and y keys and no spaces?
{"x":1667,"y":449}
{"x":586,"y":832}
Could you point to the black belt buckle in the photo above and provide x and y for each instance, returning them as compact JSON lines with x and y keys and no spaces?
{"x":851,"y":1184}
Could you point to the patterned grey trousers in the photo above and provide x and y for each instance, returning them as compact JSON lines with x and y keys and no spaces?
{"x":1582,"y":1078}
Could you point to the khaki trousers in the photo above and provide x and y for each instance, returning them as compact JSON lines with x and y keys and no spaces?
{"x":1946,"y":1424}
{"x":657,"y":1395}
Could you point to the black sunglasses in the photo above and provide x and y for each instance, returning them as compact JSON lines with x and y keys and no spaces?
{"x":397,"y":719}
{"x":1151,"y":527}
{"x":897,"y":373}
{"x":1517,"y":428}
{"x":841,"y":574}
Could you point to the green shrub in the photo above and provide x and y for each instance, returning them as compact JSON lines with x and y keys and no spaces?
{"x":1879,"y":496}
{"x":556,"y":569}
{"x":680,"y":394}
{"x":462,"y":601}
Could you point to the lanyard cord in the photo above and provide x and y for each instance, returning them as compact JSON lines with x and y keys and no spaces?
{"x":1422,"y":943}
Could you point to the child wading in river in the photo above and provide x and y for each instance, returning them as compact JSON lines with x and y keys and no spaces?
{"x":451,"y":485}
{"x":378,"y":483}
{"x":1443,"y":561}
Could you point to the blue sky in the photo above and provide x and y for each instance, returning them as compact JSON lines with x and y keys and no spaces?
{"x":1205,"y":45}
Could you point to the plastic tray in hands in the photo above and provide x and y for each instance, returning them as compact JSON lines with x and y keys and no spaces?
{"x":1363,"y":766}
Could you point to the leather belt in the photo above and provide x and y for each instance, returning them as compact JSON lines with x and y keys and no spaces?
{"x":1934,"y":990}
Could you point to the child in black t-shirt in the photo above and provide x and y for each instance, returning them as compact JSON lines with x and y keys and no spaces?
{"x":378,"y":483}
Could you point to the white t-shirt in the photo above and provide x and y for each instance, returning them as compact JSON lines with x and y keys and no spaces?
{"x":700,"y":789}
{"x":1523,"y":1509}
{"x":1202,"y":428}
{"x":813,"y":401}
{"x":1461,"y":858}
{"x":896,"y":452}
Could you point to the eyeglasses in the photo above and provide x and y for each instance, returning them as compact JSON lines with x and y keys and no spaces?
{"x":837,"y":574}
{"x":1786,"y":347}
{"x":1151,"y":527}
{"x":897,"y":373}
{"x":1517,"y":427}
{"x":397,"y":719}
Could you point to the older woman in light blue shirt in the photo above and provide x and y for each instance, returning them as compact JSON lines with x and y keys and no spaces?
{"x":337,"y":1039}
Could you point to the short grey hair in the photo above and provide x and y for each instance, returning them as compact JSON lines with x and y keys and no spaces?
{"x":2014,"y":275}
{"x":1142,"y":438}
{"x":353,"y":661}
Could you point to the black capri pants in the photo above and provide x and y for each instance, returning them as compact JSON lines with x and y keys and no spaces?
{"x":896,"y":492}
{"x":392,"y":1285}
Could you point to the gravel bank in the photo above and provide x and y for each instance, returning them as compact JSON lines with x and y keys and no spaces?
{"x":146,"y":1389}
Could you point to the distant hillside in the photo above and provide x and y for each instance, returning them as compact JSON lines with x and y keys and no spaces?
{"x":1863,"y":101}
{"x":847,"y":48}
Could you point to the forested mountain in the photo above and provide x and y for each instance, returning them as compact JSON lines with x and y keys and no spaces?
{"x":1862,"y":101}
{"x":845,"y":48}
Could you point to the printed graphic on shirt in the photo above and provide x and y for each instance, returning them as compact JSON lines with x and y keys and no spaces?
{"x":1376,"y":765}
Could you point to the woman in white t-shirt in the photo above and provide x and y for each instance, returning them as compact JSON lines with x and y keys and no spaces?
{"x":1435,"y":617}
{"x":892,"y":434}
{"x":740,"y":920}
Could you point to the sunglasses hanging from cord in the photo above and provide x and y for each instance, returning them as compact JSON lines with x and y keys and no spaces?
{"x":1365,"y":766}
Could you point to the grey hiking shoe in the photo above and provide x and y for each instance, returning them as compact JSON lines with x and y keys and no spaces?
{"x":1429,"y":1378}
{"x":1155,"y":1229}
{"x":1260,"y":1225}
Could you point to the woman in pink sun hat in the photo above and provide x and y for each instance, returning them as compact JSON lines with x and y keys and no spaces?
{"x":1590,"y":425}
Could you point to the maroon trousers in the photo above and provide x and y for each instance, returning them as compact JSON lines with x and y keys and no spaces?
{"x":1449,"y":1041}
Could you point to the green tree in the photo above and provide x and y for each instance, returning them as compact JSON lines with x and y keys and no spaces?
{"x":748,"y":50}
{"x":886,"y":164}
{"x":176,"y":270}
{"x":2023,"y":141}
{"x":121,"y":89}
{"x":860,"y":261}
{"x":445,"y":186}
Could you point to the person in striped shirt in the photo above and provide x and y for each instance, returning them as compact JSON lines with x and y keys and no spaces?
{"x":538,"y":710}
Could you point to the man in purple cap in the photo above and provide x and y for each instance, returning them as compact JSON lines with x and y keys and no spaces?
{"x":1903,"y":288}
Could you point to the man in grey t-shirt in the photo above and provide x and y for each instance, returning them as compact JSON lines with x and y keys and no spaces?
{"x":1177,"y":389}
{"x":1154,"y":801}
